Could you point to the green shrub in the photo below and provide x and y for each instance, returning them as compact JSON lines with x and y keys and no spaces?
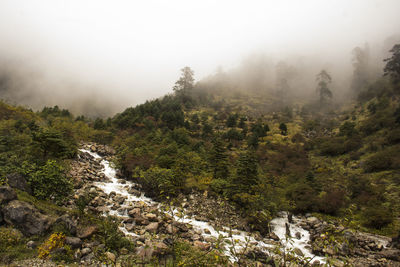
{"x":49,"y":181}
{"x":158,"y":181}
{"x":111,"y":236}
{"x":377,"y":216}
{"x":383,"y":160}
{"x":339,"y":145}
{"x":303,"y":196}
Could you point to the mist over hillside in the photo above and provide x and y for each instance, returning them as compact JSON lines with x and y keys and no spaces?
{"x":98,"y":58}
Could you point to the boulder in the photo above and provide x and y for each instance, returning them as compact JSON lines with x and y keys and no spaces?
{"x":86,"y":251}
{"x":152,"y":227}
{"x":273,"y":236}
{"x":31,"y":244}
{"x":312,"y":220}
{"x":391,"y":254}
{"x":140,"y":220}
{"x":26,"y":218}
{"x":7,"y":194}
{"x":110,"y":256}
{"x":17,"y":181}
{"x":85,"y":232}
{"x":68,"y":222}
{"x":201,"y":245}
{"x":74,"y":242}
{"x":151,"y":217}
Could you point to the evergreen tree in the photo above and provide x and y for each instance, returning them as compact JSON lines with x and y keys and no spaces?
{"x":185,"y":84}
{"x":392,"y":67}
{"x":218,"y":160}
{"x":247,"y":171}
{"x":283,"y":128}
{"x":323,"y":79}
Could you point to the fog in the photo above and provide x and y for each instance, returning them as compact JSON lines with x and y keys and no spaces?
{"x":98,"y":57}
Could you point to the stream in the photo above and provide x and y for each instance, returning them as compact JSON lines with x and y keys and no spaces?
{"x":239,"y":239}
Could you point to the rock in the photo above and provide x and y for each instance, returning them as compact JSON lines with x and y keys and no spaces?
{"x":206,"y":231}
{"x":151,"y":217}
{"x":298,"y":235}
{"x":298,"y":252}
{"x":145,"y":252}
{"x":31,"y":244}
{"x":134,"y":192}
{"x":171,"y":229}
{"x":7,"y":194}
{"x":74,"y":242}
{"x":110,"y":256}
{"x":140,"y":220}
{"x":160,"y":248}
{"x":391,"y":254}
{"x":68,"y":223}
{"x":17,"y":181}
{"x":273,"y":236}
{"x":312,"y":220}
{"x":26,"y":218}
{"x":86,"y":251}
{"x":133,"y":212}
{"x":130,"y":227}
{"x":337,"y":263}
{"x":77,"y":255}
{"x":201,"y":245}
{"x":124,"y":251}
{"x":152,"y":227}
{"x":87,"y":231}
{"x":88,"y":258}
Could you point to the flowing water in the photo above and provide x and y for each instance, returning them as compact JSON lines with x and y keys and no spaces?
{"x":239,"y":239}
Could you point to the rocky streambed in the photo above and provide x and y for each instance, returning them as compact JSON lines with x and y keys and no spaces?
{"x":151,"y":224}
{"x":141,"y":216}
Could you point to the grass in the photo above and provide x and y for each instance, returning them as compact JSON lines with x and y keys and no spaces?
{"x":46,"y":207}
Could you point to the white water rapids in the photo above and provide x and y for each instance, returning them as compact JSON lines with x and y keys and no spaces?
{"x":238,"y":239}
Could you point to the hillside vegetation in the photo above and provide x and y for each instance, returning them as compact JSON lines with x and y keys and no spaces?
{"x":258,"y":151}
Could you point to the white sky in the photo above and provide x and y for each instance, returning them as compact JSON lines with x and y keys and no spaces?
{"x":135,"y":49}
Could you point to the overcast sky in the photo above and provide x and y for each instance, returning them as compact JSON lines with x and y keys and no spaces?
{"x":133,"y":50}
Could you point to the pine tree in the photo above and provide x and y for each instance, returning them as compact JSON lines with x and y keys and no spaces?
{"x":247,"y":171}
{"x":218,"y":159}
{"x":324,"y":79}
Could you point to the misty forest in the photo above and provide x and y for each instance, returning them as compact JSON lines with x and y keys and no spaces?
{"x":200,"y":133}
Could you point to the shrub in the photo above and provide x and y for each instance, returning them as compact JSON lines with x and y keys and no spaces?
{"x":158,"y":181}
{"x":377,"y":216}
{"x":303,"y":197}
{"x":339,"y":145}
{"x":54,"y":242}
{"x":331,"y":202}
{"x":111,"y":236}
{"x":49,"y":181}
{"x":383,"y":160}
{"x":9,"y":237}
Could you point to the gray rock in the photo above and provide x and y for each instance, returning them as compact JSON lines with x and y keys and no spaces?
{"x":69,"y":223}
{"x":16,"y":180}
{"x":31,"y":244}
{"x":86,"y":251}
{"x":298,"y":235}
{"x":26,"y":218}
{"x":7,"y":194}
{"x":74,"y":242}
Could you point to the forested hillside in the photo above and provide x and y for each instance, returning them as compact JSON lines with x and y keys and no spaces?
{"x":259,"y":151}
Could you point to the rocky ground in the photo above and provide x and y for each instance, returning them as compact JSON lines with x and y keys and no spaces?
{"x":152,"y":230}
